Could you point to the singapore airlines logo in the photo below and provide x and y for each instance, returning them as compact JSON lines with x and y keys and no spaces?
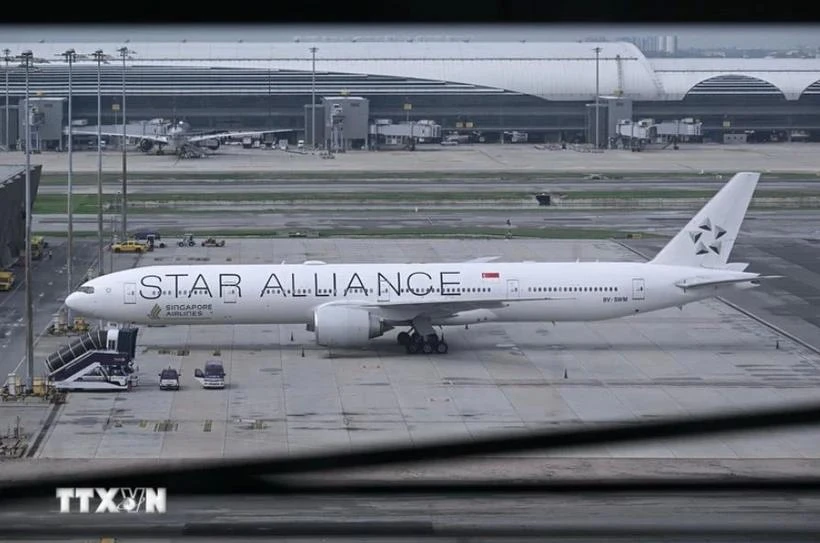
{"x":701,"y":237}
{"x":154,"y":314}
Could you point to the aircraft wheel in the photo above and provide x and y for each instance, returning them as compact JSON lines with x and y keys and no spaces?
{"x":427,"y":348}
{"x":403,"y":338}
{"x":441,"y":348}
{"x":412,"y":348}
{"x":433,"y":340}
{"x":414,"y":337}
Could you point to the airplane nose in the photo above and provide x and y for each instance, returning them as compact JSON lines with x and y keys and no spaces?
{"x":78,"y":301}
{"x":73,"y":301}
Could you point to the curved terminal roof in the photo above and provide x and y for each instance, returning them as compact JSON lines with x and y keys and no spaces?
{"x":548,"y":70}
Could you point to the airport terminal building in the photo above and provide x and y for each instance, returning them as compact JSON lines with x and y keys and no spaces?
{"x":541,"y":88}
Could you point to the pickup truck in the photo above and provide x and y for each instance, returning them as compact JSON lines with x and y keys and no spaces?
{"x":131,"y":246}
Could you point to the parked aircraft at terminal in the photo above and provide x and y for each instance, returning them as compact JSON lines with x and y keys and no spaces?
{"x":347,"y":305}
{"x":161,"y":136}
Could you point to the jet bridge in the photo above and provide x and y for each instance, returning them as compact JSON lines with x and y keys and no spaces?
{"x":98,"y":360}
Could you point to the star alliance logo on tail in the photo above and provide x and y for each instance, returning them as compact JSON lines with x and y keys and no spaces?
{"x":702,"y":246}
{"x":154,"y":314}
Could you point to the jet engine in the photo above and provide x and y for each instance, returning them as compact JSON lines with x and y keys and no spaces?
{"x":145,"y":145}
{"x":343,"y":326}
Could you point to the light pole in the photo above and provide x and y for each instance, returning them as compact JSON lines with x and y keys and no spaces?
{"x":312,"y":99}
{"x":71,"y":57}
{"x":7,"y":58}
{"x":99,"y":57}
{"x":27,"y":59}
{"x":125,"y":53}
{"x":597,"y":93}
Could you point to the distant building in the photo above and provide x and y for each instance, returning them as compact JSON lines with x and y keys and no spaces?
{"x":541,"y":88}
{"x":654,"y":44}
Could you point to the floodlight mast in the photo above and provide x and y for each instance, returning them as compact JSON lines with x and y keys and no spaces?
{"x":597,"y":94}
{"x":7,"y":58}
{"x":100,"y":58}
{"x":313,"y":99}
{"x":71,"y":57}
{"x":125,"y":53}
{"x":27,"y":60}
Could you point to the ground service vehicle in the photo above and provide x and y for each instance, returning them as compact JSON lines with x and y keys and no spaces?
{"x":151,"y":237}
{"x":130,"y":246}
{"x":187,"y":239}
{"x":169,"y":379}
{"x":213,"y":376}
{"x":211,"y":242}
{"x":38,"y":243}
{"x":6,"y":280}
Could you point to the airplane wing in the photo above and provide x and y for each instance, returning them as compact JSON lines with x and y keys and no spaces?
{"x":481,"y":259}
{"x":697,"y":282}
{"x":407,"y":311}
{"x":221,"y":135}
{"x":150,"y":137}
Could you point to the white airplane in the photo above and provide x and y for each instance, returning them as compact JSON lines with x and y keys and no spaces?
{"x":177,"y":138}
{"x":346,"y":305}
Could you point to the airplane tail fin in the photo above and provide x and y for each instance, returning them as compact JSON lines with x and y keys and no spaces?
{"x":707,"y":239}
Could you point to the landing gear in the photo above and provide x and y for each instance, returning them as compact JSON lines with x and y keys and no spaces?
{"x":415,"y":343}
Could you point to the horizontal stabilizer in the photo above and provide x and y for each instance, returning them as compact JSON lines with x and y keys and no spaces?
{"x":735,"y":266}
{"x":696,"y":282}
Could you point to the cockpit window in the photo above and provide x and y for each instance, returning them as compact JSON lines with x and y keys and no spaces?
{"x":86,"y":289}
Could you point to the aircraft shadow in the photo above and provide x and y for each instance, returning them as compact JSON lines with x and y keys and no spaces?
{"x":391,"y":348}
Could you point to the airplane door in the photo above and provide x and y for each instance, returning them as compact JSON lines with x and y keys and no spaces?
{"x":230,"y":295}
{"x":638,"y":289}
{"x":384,"y":290}
{"x":130,"y":293}
{"x":512,"y":288}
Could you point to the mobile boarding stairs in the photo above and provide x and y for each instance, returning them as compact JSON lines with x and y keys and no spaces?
{"x":101,"y":360}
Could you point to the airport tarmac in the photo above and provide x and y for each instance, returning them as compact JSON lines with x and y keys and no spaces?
{"x":792,"y":223}
{"x":49,"y":289}
{"x":497,"y":377}
{"x":525,"y":158}
{"x":374,"y":188}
